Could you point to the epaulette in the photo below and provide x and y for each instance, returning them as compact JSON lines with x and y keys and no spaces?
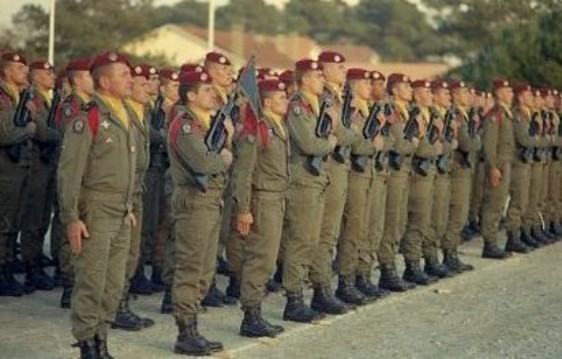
{"x":93,"y":111}
{"x":254,"y":128}
{"x":495,"y":114}
{"x":298,"y":104}
{"x":5,"y":99}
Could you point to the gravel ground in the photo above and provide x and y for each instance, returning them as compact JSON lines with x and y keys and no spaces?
{"x":507,"y":309}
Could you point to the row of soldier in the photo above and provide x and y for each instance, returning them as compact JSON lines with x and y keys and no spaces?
{"x":338,"y":171}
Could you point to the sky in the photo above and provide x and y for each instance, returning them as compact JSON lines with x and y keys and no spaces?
{"x":10,"y":7}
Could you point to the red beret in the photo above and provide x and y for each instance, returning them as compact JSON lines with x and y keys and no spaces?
{"x":288,"y":77}
{"x":144,"y":70}
{"x":545,"y":92}
{"x":555,"y":92}
{"x":397,"y":78}
{"x":424,"y":84}
{"x":168,"y":74}
{"x":194,"y":77}
{"x":521,"y":87}
{"x":330,"y":57}
{"x":191,"y":68}
{"x":108,"y":58}
{"x":217,"y":58}
{"x":40,"y":65}
{"x":79,"y":64}
{"x":439,"y":84}
{"x":358,"y":74}
{"x":472,"y":90}
{"x":375,"y":75}
{"x":13,"y":57}
{"x":500,"y":83}
{"x":271,"y":85}
{"x":307,"y":65}
{"x":455,"y":85}
{"x":262,"y":72}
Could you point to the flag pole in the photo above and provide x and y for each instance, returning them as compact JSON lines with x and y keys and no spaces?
{"x":211,"y":39}
{"x":52,"y":32}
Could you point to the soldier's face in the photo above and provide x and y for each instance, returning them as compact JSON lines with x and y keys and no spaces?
{"x":526,"y":99}
{"x":378,"y":90}
{"x":277,"y":103}
{"x":16,"y":73}
{"x":169,"y":90}
{"x":423,"y":97}
{"x":118,"y":81}
{"x":44,"y":79}
{"x":221,"y":75}
{"x":442,"y":97}
{"x":538,"y":101}
{"x":505,"y":95}
{"x":313,"y":81}
{"x":403,"y":91}
{"x":334,"y":73}
{"x":362,"y":89}
{"x":549,"y":101}
{"x":462,"y":97}
{"x":203,"y":98}
{"x":140,"y":90}
{"x":84,"y":82}
{"x":153,"y":85}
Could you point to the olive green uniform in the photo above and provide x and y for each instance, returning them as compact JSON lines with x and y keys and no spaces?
{"x":462,"y":167}
{"x":498,"y":146}
{"x":305,"y":202}
{"x":197,"y":212}
{"x":262,"y":175}
{"x":13,"y":173}
{"x":553,"y":208}
{"x":532,"y":217}
{"x":95,"y":179}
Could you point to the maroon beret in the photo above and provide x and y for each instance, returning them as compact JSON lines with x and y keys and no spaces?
{"x":395,"y":79}
{"x":455,"y":85}
{"x":288,"y":77}
{"x":144,"y":70}
{"x":168,"y":74}
{"x":546,"y":92}
{"x":217,"y":58}
{"x":271,"y":85}
{"x":40,"y":65}
{"x":330,"y":57}
{"x":439,"y":84}
{"x":307,"y":65}
{"x":376,"y":75}
{"x":500,"y":83}
{"x":357,"y":74}
{"x":421,"y":84}
{"x":191,"y":68}
{"x":262,"y":72}
{"x":109,"y":58}
{"x":194,"y":77}
{"x":79,"y":64}
{"x":521,"y":87}
{"x":11,"y":56}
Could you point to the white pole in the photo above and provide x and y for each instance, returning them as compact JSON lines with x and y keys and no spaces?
{"x":211,"y":39}
{"x":52,"y":32}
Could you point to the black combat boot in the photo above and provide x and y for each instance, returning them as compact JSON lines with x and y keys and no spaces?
{"x":66,"y":296}
{"x":324,"y":301}
{"x":9,"y":286}
{"x":276,"y":282}
{"x":556,"y":229}
{"x":349,"y":293}
{"x":474,"y":226}
{"x":158,"y":285}
{"x":391,"y":281}
{"x":167,"y":306}
{"x":364,"y":284}
{"x":492,"y":251}
{"x":36,"y":279}
{"x":435,"y":269}
{"x":233,"y":290}
{"x":297,"y":311}
{"x":514,"y":243}
{"x":453,"y":263}
{"x":551,"y":236}
{"x":528,"y":240}
{"x":414,"y":274}
{"x":190,"y":342}
{"x":127,"y":320}
{"x":254,"y":326}
{"x":140,"y":284}
{"x":539,"y":236}
{"x":467,"y":234}
{"x":88,"y":349}
{"x":214,"y":298}
{"x":101,"y":343}
{"x":222,"y":266}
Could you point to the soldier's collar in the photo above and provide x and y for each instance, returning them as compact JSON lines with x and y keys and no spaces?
{"x":10,"y":90}
{"x":506,"y":109}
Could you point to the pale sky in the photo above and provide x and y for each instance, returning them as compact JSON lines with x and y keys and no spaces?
{"x":10,"y":7}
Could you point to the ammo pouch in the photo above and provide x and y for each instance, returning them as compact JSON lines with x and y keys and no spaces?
{"x":359,"y":163}
{"x":465,"y":159}
{"x":443,"y":163}
{"x":421,"y":165}
{"x":395,"y":160}
{"x":381,"y":161}
{"x":557,"y":153}
{"x":525,"y":154}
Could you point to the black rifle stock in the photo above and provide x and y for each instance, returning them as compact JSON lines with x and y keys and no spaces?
{"x":323,"y":130}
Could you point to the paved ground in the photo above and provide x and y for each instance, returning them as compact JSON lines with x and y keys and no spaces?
{"x":510,"y":309}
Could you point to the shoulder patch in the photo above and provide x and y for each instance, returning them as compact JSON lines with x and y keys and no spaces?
{"x":78,"y":126}
{"x":297,"y":110}
{"x":186,"y":129}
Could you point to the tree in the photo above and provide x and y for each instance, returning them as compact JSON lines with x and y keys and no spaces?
{"x":255,"y":15}
{"x":190,"y":12}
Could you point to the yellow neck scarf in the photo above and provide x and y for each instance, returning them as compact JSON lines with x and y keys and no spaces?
{"x":138,"y":109}
{"x":83,"y":96}
{"x":425,"y":114}
{"x":117,"y":107}
{"x":335,"y":89}
{"x":312,"y":101}
{"x":14,"y":92}
{"x":276,"y":121}
{"x":204,"y":117}
{"x":526,"y":112}
{"x":46,"y":96}
{"x":463,"y":112}
{"x":222,"y":93}
{"x":402,"y":106}
{"x":507,"y":110}
{"x":362,"y":106}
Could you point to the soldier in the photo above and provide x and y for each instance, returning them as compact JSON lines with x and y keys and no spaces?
{"x":498,"y":145}
{"x":526,"y":135}
{"x":14,"y":163}
{"x":96,"y":183}
{"x":400,"y":157}
{"x":259,"y":194}
{"x":442,"y":183}
{"x":462,"y":167}
{"x":420,"y":198}
{"x":355,"y":239}
{"x":307,"y":187}
{"x":40,"y":189}
{"x":82,"y":84}
{"x":137,"y":106}
{"x":288,"y":78}
{"x":555,"y":176}
{"x":197,"y":209}
{"x":337,"y":169}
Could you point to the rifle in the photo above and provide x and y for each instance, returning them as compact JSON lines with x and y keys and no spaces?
{"x":422,"y":165}
{"x":22,"y":117}
{"x":448,"y":136}
{"x":411,"y":129}
{"x":371,"y":129}
{"x":323,"y":129}
{"x":473,"y":125}
{"x":157,"y":118}
{"x":49,"y":150}
{"x":340,"y":153}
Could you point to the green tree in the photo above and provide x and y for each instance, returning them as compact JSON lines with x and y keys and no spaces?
{"x":185,"y":12}
{"x":255,"y":15}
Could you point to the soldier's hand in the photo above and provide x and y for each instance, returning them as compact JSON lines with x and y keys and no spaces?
{"x":439,"y":147}
{"x":378,"y":142}
{"x":416,"y":141}
{"x":333,"y":141}
{"x":495,"y":177}
{"x":422,"y":126}
{"x":132,"y":219}
{"x":31,"y":128}
{"x":244,"y":222}
{"x":76,"y":232}
{"x":226,"y":156}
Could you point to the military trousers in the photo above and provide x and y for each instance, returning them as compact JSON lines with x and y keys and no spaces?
{"x":169,"y":263}
{"x":494,"y":204}
{"x":197,"y":218}
{"x":260,"y":247}
{"x":155,"y":217}
{"x":519,"y":189}
{"x":355,"y":227}
{"x":100,"y":267}
{"x":461,"y":184}
{"x":531,"y":217}
{"x":439,"y":217}
{"x":334,"y":202}
{"x":133,"y":260}
{"x":233,"y":244}
{"x":477,"y":192}
{"x":305,"y":207}
{"x":420,"y":203}
{"x":544,"y":204}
